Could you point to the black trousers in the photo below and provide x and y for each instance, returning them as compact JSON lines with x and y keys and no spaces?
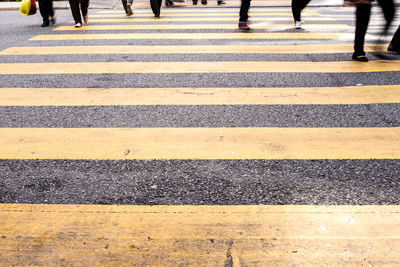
{"x":156,"y":6}
{"x":76,"y":7}
{"x":124,"y":2}
{"x":395,"y":43}
{"x":244,"y":11}
{"x":297,"y":7}
{"x":46,"y":9}
{"x":363,"y":13}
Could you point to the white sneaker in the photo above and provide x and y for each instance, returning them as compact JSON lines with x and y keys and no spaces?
{"x":78,"y":25}
{"x":297,"y":24}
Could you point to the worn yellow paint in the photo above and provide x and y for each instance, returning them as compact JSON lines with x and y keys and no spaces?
{"x":204,"y":15}
{"x":201,"y":20}
{"x":197,"y":26}
{"x":199,"y":96}
{"x":200,"y":143}
{"x":231,"y":3}
{"x":187,"y":49}
{"x":94,"y":235}
{"x":204,"y":10}
{"x":165,"y":35}
{"x":199,"y":67}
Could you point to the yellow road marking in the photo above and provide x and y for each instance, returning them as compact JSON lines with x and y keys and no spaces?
{"x":206,"y":10}
{"x":186,"y":49}
{"x":199,"y":67}
{"x":199,"y":96}
{"x":196,"y":27}
{"x":201,"y":19}
{"x":91,"y":235}
{"x":197,"y":36}
{"x":199,"y":143}
{"x":230,"y":3}
{"x":235,"y":16}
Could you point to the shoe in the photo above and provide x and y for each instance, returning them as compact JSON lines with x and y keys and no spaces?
{"x":195,"y":3}
{"x":391,"y":49}
{"x":53,"y":20}
{"x":360,"y":58}
{"x":221,"y":2}
{"x":86,"y":19}
{"x":171,"y":3}
{"x":45,"y":23}
{"x":78,"y":25}
{"x":129,"y":9}
{"x":244,"y":26}
{"x":204,"y":2}
{"x":157,"y":15}
{"x":297,"y":24}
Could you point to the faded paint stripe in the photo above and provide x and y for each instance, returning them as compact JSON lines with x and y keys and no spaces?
{"x":199,"y":143}
{"x":199,"y":96}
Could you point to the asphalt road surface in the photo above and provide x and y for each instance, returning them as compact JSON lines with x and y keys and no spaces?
{"x":338,"y":179}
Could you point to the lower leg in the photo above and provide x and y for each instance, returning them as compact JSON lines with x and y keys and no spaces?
{"x":75,"y":11}
{"x":363,"y":13}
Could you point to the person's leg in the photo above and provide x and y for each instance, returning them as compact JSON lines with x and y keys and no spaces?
{"x":244,"y":15}
{"x":394,"y":45}
{"x":388,"y":10}
{"x":44,"y":12}
{"x":363,"y":13}
{"x":84,"y":9}
{"x":75,"y":11}
{"x":124,"y":5}
{"x":296,"y":10}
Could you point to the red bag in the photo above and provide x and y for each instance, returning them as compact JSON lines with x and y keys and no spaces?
{"x":28,"y":7}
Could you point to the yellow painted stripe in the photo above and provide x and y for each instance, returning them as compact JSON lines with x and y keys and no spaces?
{"x":199,"y":67}
{"x":124,"y":235}
{"x":199,"y":143}
{"x":199,"y":96}
{"x":187,"y":49}
{"x":204,"y":10}
{"x":197,"y":36}
{"x":201,"y":19}
{"x":230,"y":4}
{"x":209,"y":14}
{"x":197,"y":26}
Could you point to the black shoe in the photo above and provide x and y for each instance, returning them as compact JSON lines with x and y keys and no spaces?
{"x":45,"y":23}
{"x":244,"y":26}
{"x":53,"y":20}
{"x":195,"y":3}
{"x":360,"y":58}
{"x":157,"y":15}
{"x":391,"y":49}
{"x":204,"y":2}
{"x":221,"y":2}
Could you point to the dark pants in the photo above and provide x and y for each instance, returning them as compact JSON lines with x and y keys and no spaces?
{"x":395,"y":43}
{"x":244,"y":11}
{"x":124,"y":2}
{"x":76,"y":7}
{"x":156,"y":6}
{"x":363,"y":13}
{"x":297,"y":7}
{"x":46,"y":9}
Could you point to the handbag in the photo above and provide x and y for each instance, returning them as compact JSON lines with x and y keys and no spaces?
{"x":28,"y":7}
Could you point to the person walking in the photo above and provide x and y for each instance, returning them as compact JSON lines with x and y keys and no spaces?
{"x":205,"y":2}
{"x":363,"y":14}
{"x":244,"y":15}
{"x":394,"y":45}
{"x":76,"y":7}
{"x":297,"y":7}
{"x":127,"y":4}
{"x":47,"y":12}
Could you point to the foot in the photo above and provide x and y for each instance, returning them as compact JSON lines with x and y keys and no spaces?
{"x":391,"y":49}
{"x":244,"y":26}
{"x":86,"y":19}
{"x":129,"y":9}
{"x":53,"y":20}
{"x":45,"y":23}
{"x":78,"y":25}
{"x":297,"y":24}
{"x":221,"y":2}
{"x":171,"y":3}
{"x":204,"y":2}
{"x":360,"y":58}
{"x":195,"y":3}
{"x":157,"y":15}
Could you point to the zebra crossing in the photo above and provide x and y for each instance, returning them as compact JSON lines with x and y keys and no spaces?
{"x":223,"y":147}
